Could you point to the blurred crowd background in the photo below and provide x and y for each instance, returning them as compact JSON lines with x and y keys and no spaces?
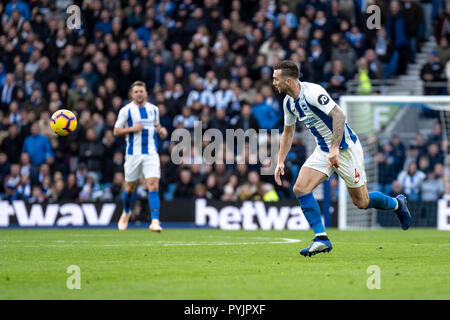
{"x":206,"y":60}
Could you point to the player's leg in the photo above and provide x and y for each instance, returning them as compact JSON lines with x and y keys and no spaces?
{"x":153,"y":202}
{"x":132,"y":173}
{"x":377,"y":200}
{"x":152,"y":174}
{"x":313,"y":173}
{"x":129,"y":196}
{"x":351,"y":170}
{"x":364,"y":200}
{"x":308,"y":179}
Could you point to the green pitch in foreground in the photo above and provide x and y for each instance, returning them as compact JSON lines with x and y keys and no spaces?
{"x":214,"y":264}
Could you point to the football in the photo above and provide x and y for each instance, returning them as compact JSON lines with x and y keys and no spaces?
{"x":63,"y":122}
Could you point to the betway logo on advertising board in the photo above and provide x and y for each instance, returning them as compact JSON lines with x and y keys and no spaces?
{"x":250,"y":216}
{"x":55,"y":215}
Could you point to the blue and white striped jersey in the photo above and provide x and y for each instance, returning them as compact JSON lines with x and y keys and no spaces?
{"x":312,"y":107}
{"x":145,"y":141}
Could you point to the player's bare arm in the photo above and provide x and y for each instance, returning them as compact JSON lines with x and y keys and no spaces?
{"x":338,"y":130}
{"x":124,"y":131}
{"x":285,"y":145}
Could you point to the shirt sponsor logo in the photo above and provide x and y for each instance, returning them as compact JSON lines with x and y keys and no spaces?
{"x":309,"y":122}
{"x":323,"y":99}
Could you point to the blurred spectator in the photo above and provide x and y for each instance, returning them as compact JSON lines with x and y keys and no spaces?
{"x":91,"y":151}
{"x":38,"y":147}
{"x":57,"y":192}
{"x":184,"y":188}
{"x":347,"y":55}
{"x":413,"y":19}
{"x":200,"y":191}
{"x":411,"y":181}
{"x":412,"y":155}
{"x":435,"y":155}
{"x":81,"y":91}
{"x":423,"y":164}
{"x":436,"y":136}
{"x":7,"y":91}
{"x":22,"y":7}
{"x":11,"y":182}
{"x":91,"y":190}
{"x":266,"y":116}
{"x":384,"y":49}
{"x":71,"y":190}
{"x":24,"y":188}
{"x":220,"y":121}
{"x":117,"y":186}
{"x":11,"y":144}
{"x":432,"y":188}
{"x":356,"y":40}
{"x":317,"y":59}
{"x":336,"y":79}
{"x":386,"y":172}
{"x":249,"y":190}
{"x":432,"y":72}
{"x":245,"y":120}
{"x":363,"y":76}
{"x":26,"y":169}
{"x":88,"y":73}
{"x":396,"y":189}
{"x":442,"y":25}
{"x":399,"y":153}
{"x":427,"y":8}
{"x":109,"y":146}
{"x":214,"y":192}
{"x":37,"y":195}
{"x":396,"y":27}
{"x":36,"y":103}
{"x":375,"y":66}
{"x":46,"y":72}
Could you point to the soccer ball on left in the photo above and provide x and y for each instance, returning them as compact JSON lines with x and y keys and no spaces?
{"x":63,"y":122}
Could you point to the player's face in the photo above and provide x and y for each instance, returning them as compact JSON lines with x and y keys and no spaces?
{"x":139,"y":94}
{"x":279,"y":82}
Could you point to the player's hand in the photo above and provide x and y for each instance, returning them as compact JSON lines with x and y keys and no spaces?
{"x":137,"y":127}
{"x":333,"y":158}
{"x":162,"y":133}
{"x":279,"y":170}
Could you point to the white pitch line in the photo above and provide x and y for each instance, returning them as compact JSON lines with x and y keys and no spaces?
{"x":155,"y":243}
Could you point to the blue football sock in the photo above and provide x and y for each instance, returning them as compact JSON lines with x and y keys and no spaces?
{"x":379,"y":200}
{"x":153,"y":201}
{"x":128,"y":200}
{"x":311,"y":211}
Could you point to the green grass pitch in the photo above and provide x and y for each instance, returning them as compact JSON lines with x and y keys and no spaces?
{"x":213,"y":264}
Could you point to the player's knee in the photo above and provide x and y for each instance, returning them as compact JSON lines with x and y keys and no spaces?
{"x":152,"y":186}
{"x":130,"y":187}
{"x":300,"y":189}
{"x":361,"y":203}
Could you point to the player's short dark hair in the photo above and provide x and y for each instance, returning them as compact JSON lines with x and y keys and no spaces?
{"x":288,"y":69}
{"x":137,"y":84}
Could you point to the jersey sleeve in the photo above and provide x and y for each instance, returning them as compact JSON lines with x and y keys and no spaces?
{"x":319,"y":98}
{"x":122,"y":118}
{"x":156,"y":122}
{"x":289,"y":118}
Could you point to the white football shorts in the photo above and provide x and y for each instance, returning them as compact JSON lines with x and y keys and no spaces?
{"x":146,"y":165}
{"x":351,"y":164}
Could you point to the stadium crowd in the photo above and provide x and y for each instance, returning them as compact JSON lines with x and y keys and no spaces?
{"x":203,"y":60}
